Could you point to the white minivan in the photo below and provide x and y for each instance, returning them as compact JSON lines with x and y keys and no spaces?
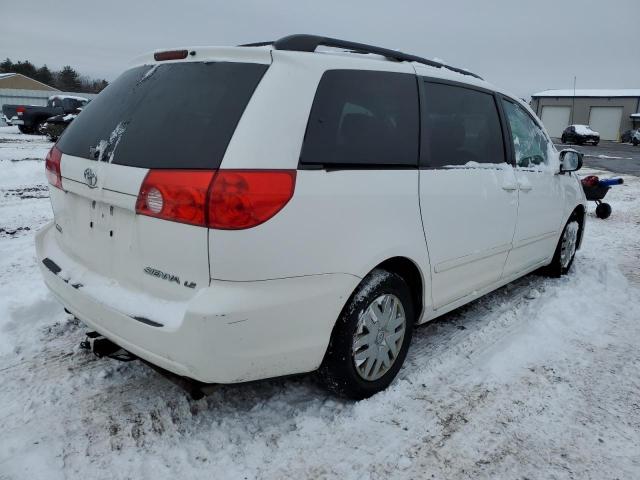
{"x":231,"y":214}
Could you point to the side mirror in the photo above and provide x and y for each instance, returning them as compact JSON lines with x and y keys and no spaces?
{"x":570,"y":160}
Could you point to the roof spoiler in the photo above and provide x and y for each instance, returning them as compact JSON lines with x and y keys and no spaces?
{"x":309,"y":43}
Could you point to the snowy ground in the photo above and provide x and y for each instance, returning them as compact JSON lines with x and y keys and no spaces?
{"x":538,"y":380}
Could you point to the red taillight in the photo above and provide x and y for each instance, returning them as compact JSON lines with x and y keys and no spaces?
{"x":226,"y":199}
{"x":246,"y":198}
{"x":20,"y":110}
{"x":177,"y":195}
{"x":170,"y":55}
{"x":52,"y":167}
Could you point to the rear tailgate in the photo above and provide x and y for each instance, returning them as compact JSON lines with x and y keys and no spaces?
{"x":178,"y":115}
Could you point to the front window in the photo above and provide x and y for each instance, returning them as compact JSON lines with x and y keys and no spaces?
{"x":531,"y":146}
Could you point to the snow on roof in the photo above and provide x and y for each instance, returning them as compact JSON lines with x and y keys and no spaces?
{"x":6,"y":75}
{"x":590,"y":92}
{"x":635,"y":115}
{"x":73,"y":97}
{"x":584,"y":129}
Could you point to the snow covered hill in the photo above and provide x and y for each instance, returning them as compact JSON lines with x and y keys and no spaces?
{"x":540,"y":379}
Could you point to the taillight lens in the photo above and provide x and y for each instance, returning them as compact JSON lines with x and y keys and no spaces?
{"x":177,"y":195}
{"x":245,"y":198}
{"x":20,"y":110}
{"x":226,"y":199}
{"x":52,"y":167}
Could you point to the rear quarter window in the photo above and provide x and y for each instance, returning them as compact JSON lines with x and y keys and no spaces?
{"x":363,"y":118}
{"x":174,"y":115}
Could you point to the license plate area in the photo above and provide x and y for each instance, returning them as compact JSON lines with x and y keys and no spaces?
{"x":102,"y":218}
{"x":93,"y":232}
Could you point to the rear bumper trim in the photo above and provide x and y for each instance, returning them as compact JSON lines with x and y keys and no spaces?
{"x":146,"y":321}
{"x":51,"y":265}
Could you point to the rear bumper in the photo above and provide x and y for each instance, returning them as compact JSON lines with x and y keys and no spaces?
{"x":230,"y":332}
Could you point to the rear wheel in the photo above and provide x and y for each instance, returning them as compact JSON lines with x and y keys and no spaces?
{"x":566,"y":249}
{"x":370,"y":340}
{"x":24,"y":129}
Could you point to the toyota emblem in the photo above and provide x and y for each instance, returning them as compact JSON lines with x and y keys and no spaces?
{"x":90,"y":177}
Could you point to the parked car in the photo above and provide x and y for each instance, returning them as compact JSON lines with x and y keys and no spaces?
{"x":29,"y":118}
{"x":627,"y":136}
{"x":580,"y":134}
{"x":322,"y":205}
{"x":54,"y":126}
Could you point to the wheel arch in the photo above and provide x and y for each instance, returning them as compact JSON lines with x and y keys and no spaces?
{"x":410,"y":273}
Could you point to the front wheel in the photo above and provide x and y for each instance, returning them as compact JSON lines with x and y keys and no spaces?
{"x":566,"y":249}
{"x":371,"y":338}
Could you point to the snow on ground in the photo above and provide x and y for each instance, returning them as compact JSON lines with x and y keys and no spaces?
{"x":540,"y":379}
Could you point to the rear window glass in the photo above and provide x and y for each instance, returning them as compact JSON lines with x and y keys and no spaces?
{"x":363,"y":118}
{"x":175,"y":115}
{"x":460,"y":125}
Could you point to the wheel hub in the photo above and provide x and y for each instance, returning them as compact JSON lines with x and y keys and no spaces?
{"x":378,"y":337}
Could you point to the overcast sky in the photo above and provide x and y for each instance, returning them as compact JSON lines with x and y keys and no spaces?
{"x":524,"y":46}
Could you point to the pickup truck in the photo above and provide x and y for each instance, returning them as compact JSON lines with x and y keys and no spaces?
{"x":28,"y":118}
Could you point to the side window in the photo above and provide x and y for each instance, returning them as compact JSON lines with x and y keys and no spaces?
{"x":529,"y":141}
{"x":362,"y":117}
{"x":460,"y":125}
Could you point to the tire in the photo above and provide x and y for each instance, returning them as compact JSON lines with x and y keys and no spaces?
{"x":565,"y":252}
{"x":603,"y":210}
{"x":36,"y":128}
{"x":24,"y":129}
{"x":357,"y":346}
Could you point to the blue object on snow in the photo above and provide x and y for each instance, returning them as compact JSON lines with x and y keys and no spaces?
{"x":607,"y":182}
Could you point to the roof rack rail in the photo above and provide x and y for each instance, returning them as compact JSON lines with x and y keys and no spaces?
{"x":309,"y":43}
{"x":256,"y":44}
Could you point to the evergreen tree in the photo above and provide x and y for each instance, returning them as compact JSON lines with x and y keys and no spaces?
{"x":44,"y":75}
{"x":26,"y":68}
{"x":68,"y":80}
{"x":6,"y":66}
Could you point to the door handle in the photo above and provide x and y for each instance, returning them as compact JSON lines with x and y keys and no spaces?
{"x":509,"y":187}
{"x":524,"y":187}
